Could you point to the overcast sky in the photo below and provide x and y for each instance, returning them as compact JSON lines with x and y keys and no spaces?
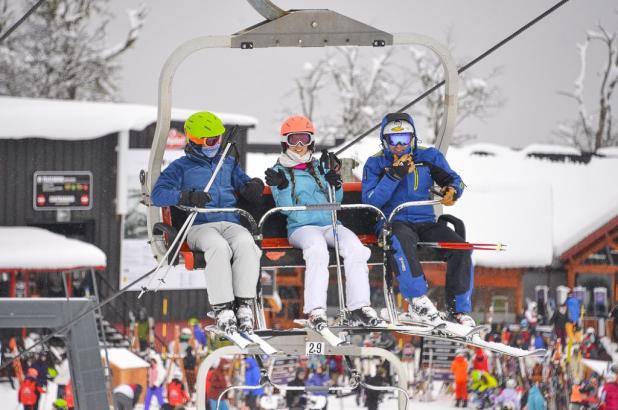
{"x":536,"y":65}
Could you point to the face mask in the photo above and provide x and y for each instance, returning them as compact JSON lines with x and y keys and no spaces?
{"x":210,"y":151}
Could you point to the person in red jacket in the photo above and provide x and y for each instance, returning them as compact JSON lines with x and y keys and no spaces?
{"x":217,"y":383}
{"x":459,"y":367}
{"x":480,"y":360}
{"x":176,"y":393}
{"x":28,"y":390}
{"x":68,"y":396}
{"x":609,"y":396}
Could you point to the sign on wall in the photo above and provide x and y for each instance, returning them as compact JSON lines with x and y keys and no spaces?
{"x":70,"y":190}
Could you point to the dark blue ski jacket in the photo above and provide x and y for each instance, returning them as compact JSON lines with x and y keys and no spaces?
{"x":192,"y":172}
{"x":383,"y":191}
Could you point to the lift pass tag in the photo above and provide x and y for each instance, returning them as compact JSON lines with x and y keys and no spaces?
{"x":315,"y":348}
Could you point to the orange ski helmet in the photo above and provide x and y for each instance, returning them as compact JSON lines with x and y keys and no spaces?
{"x":296,"y":124}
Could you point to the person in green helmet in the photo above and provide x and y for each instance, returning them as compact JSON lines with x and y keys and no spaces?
{"x":232,"y":257}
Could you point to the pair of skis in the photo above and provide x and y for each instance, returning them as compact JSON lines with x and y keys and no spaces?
{"x":472,"y":336}
{"x":244,"y":340}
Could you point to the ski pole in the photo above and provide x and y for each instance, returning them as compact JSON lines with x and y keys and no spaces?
{"x":324,"y":160}
{"x":184,"y":230}
{"x":465,"y":246}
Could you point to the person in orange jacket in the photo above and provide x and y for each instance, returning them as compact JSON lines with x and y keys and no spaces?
{"x":459,"y":367}
{"x":29,"y":389}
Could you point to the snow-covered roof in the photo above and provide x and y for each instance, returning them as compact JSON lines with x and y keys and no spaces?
{"x":550,"y":149}
{"x":539,"y":208}
{"x":124,"y":358}
{"x":81,"y":120}
{"x":53,"y":252}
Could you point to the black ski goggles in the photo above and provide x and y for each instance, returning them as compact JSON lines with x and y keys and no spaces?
{"x":401,"y":138}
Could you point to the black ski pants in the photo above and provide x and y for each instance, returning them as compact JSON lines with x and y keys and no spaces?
{"x":406,"y":264}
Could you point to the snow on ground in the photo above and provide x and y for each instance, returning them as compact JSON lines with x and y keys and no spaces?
{"x":8,"y":398}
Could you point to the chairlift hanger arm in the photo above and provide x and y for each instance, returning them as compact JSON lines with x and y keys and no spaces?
{"x":296,"y":28}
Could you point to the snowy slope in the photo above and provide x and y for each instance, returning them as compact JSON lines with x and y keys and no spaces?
{"x":79,"y":120}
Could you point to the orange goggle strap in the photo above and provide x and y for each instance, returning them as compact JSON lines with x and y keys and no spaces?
{"x":199,"y":141}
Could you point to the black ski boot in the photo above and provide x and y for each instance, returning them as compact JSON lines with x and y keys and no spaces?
{"x":365,"y":316}
{"x":317,"y":319}
{"x":244,"y":314}
{"x":225,"y":318}
{"x":465,"y":404}
{"x":457,"y":403}
{"x":460,"y":318}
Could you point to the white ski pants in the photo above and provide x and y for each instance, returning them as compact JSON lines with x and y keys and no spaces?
{"x":232,"y":260}
{"x":314,"y":242}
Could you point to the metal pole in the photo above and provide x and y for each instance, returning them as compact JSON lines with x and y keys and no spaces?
{"x":331,"y":199}
{"x":106,"y":370}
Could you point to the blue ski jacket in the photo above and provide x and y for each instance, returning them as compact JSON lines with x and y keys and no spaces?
{"x":303,"y":189}
{"x":573,"y":308}
{"x":252,"y":377}
{"x":382,"y":191}
{"x":191,"y":173}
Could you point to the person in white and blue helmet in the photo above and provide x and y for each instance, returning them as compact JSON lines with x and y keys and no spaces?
{"x":232,"y":257}
{"x":401,"y":172}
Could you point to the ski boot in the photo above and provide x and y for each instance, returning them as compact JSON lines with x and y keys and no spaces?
{"x":317,"y":319}
{"x":457,"y":403}
{"x":422,"y":309}
{"x":365,"y":316}
{"x":244,"y":314}
{"x":225,"y":318}
{"x":462,"y":319}
{"x":464,"y":404}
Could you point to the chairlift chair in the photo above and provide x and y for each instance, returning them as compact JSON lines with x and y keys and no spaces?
{"x":284,"y":29}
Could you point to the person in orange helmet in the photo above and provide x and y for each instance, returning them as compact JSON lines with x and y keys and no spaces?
{"x":29,"y":390}
{"x":297,"y":179}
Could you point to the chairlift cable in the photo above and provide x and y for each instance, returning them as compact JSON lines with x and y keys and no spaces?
{"x":460,"y":70}
{"x":21,"y":20}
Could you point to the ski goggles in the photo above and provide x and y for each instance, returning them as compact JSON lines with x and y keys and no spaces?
{"x":302,"y":138}
{"x":402,"y":138}
{"x":209,"y":142}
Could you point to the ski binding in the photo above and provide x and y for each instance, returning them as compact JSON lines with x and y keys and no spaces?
{"x":324,"y":331}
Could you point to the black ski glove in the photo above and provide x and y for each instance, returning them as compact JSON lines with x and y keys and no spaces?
{"x":333,"y":178}
{"x":197,"y":199}
{"x":398,"y":172}
{"x":252,"y":191}
{"x":276,"y":178}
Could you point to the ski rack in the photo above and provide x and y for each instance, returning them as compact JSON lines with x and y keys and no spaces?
{"x":294,"y":28}
{"x":292,"y":343}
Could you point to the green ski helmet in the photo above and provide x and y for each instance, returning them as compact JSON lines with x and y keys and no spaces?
{"x":202,"y":125}
{"x":61,"y":404}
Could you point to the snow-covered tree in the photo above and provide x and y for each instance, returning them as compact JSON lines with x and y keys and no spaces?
{"x":60,"y":51}
{"x":364,"y":90}
{"x":367,"y":88}
{"x":593,"y":127}
{"x":477,"y":98}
